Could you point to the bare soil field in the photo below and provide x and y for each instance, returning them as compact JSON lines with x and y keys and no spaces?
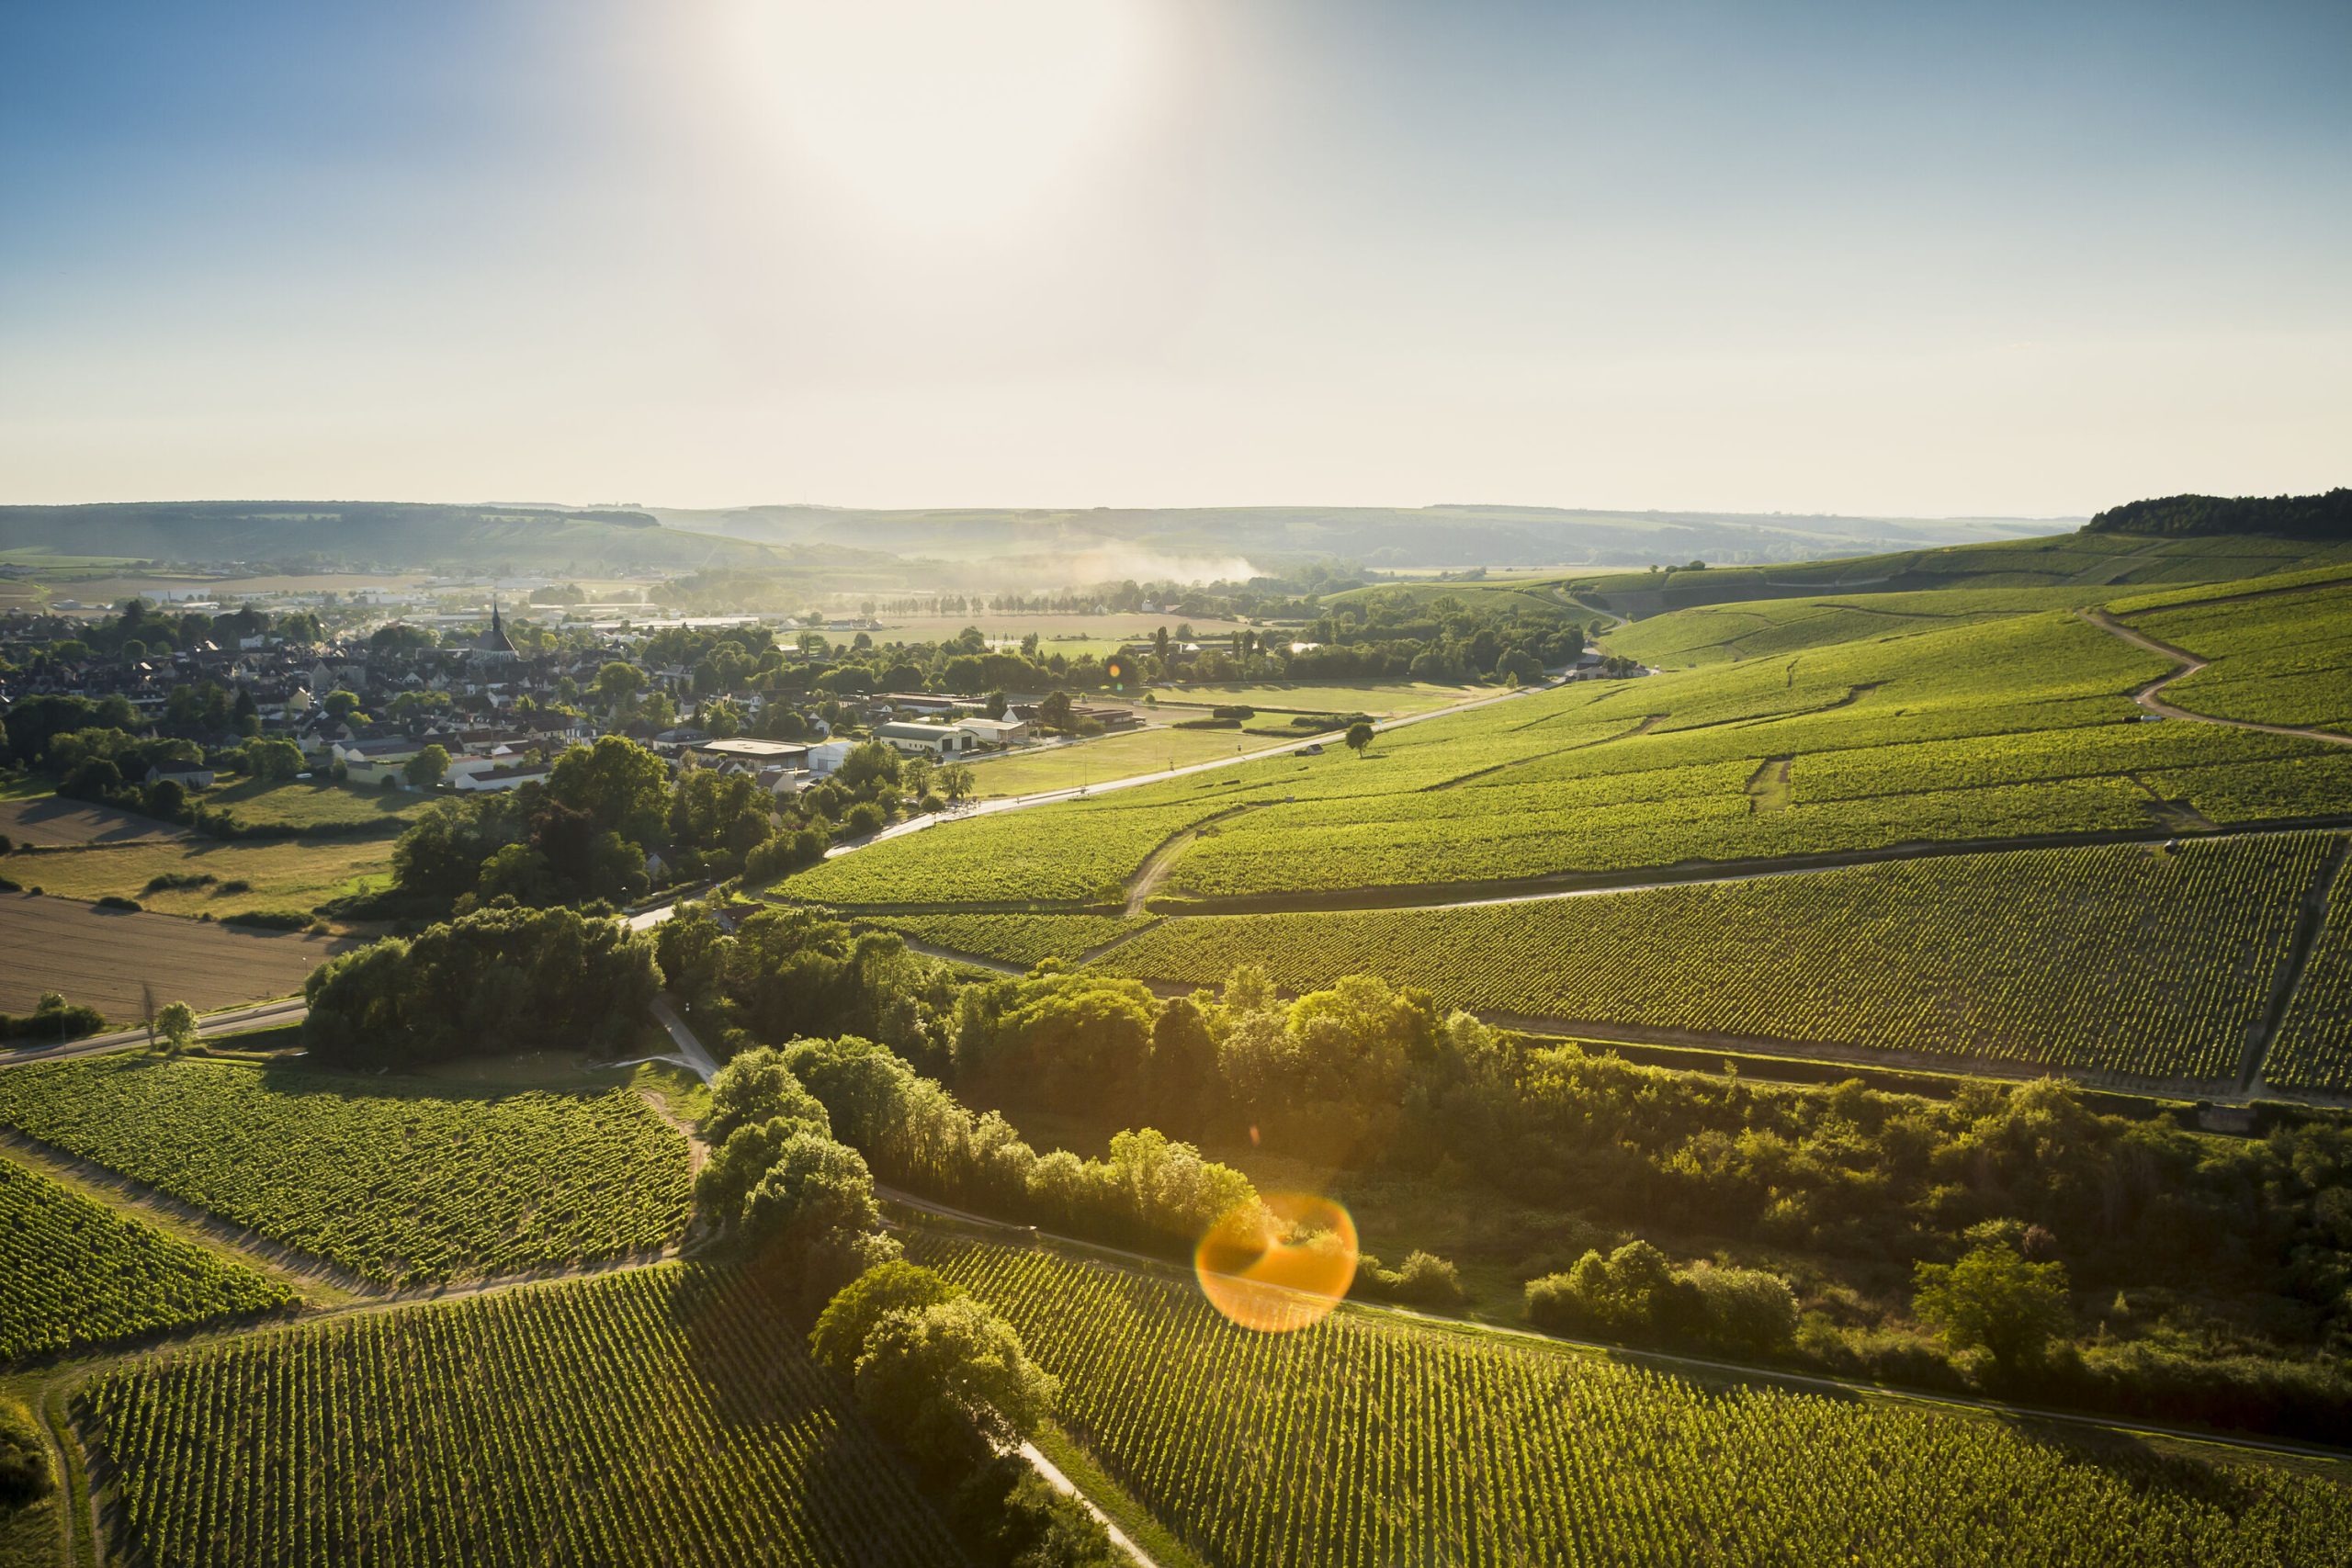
{"x":51,"y":819}
{"x":101,"y":957}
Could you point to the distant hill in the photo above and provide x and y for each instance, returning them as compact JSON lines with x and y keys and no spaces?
{"x":378,"y":534}
{"x":2321,"y":517}
{"x":1197,"y":541}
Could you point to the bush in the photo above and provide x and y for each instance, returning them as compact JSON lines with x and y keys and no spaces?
{"x":53,"y":1018}
{"x":269,"y":919}
{"x":1010,"y":1518}
{"x":1206,"y":723}
{"x":112,"y":901}
{"x":24,"y":1456}
{"x":177,"y":879}
{"x":1426,"y":1280}
{"x":862,"y":818}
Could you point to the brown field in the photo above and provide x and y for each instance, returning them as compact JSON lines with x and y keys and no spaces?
{"x":292,"y":874}
{"x":49,"y":819}
{"x":101,"y":957}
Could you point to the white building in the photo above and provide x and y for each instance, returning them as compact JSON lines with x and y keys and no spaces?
{"x":934,"y":740}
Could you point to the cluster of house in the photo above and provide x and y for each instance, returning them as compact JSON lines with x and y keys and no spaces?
{"x":501,"y":722}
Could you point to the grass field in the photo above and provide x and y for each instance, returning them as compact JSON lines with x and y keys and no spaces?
{"x":397,"y":1181}
{"x":2124,"y":959}
{"x":101,"y":957}
{"x":1366,"y":1441}
{"x":305,"y":806}
{"x":277,"y":873}
{"x":666,"y":1415}
{"x":75,"y":1272}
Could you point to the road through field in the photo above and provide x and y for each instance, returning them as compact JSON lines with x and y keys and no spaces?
{"x":1047,"y":797}
{"x":2190,"y":664}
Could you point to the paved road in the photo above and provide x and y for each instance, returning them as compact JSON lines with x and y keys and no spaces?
{"x":261,"y":1015}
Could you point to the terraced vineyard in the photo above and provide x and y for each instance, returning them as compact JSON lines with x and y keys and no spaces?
{"x":1366,"y":1441}
{"x":398,"y":1185}
{"x":2314,"y":1049}
{"x":75,"y":1272}
{"x":664,"y":1414}
{"x":2124,"y":959}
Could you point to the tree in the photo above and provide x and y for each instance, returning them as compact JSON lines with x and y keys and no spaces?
{"x":956,"y":782}
{"x":342,"y":705}
{"x":617,"y":684}
{"x":952,"y":1383}
{"x":175,"y":1027}
{"x":1995,"y":1300}
{"x":273,"y":762}
{"x":24,"y":1457}
{"x":839,"y":1338}
{"x":1359,"y":737}
{"x":427,"y":768}
{"x":754,"y":1087}
{"x":1055,"y":713}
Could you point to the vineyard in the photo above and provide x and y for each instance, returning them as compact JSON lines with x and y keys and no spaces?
{"x":1025,"y":939}
{"x":2124,"y":959}
{"x":2313,"y":1048}
{"x":1364,"y":1442}
{"x":400,"y":1186}
{"x":2283,"y":659}
{"x":662,"y":1414}
{"x":75,"y":1272}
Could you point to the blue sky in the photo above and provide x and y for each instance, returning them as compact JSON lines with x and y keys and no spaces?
{"x":1993,"y":259}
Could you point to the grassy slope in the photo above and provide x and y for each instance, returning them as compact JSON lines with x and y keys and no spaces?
{"x":281,"y":873}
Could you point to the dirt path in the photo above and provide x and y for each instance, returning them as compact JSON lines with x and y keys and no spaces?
{"x":1162,"y":860}
{"x":2189,"y":665}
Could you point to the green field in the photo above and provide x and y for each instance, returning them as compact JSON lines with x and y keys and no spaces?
{"x":2013,"y":728}
{"x":277,"y":873}
{"x":307,"y":807}
{"x":2123,"y":959}
{"x":1025,"y":939}
{"x":665,"y":1415}
{"x":1381,"y":700}
{"x":1366,"y":1441}
{"x":75,"y":1272}
{"x":2313,"y":1050}
{"x":400,"y":1183}
{"x":2283,"y":659}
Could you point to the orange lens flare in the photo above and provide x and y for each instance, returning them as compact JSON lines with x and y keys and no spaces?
{"x":1280,"y":1264}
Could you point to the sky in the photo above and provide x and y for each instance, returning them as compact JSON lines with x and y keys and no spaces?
{"x":2020,"y":260}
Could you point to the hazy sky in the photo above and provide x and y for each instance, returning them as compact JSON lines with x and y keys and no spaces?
{"x":1902,"y":258}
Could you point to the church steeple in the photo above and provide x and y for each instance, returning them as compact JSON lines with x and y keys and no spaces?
{"x":494,"y":639}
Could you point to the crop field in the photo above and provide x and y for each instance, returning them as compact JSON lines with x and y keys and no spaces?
{"x":2123,"y":959}
{"x":2313,"y":1048}
{"x":100,"y":958}
{"x":276,"y":874}
{"x":1364,"y":1440}
{"x":306,"y":807}
{"x":2283,"y":659}
{"x":400,"y":1185}
{"x":43,"y":819}
{"x":75,"y":1273}
{"x":662,"y":1415}
{"x":1025,"y":939}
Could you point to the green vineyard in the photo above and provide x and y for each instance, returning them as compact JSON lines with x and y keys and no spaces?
{"x":2283,"y":659}
{"x":2124,"y":959}
{"x":662,"y":1415}
{"x":1363,"y":1442}
{"x":75,"y":1272}
{"x":2313,"y":1048}
{"x":1025,"y":939}
{"x":398,"y":1186}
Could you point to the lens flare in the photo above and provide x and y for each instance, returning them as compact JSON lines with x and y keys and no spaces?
{"x":1279,"y":1264}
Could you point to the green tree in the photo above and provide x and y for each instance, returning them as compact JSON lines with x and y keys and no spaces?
{"x":1995,"y":1300}
{"x":756,"y":1087}
{"x":427,"y":768}
{"x":174,"y":1027}
{"x":951,"y":1384}
{"x":619,"y":683}
{"x":620,"y":785}
{"x":956,"y":782}
{"x":839,"y":1338}
{"x":342,"y":705}
{"x":273,"y":762}
{"x":1359,"y":737}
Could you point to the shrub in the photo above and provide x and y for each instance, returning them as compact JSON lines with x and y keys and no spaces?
{"x":24,"y":1456}
{"x":1426,"y":1280}
{"x":112,"y":901}
{"x":269,"y":919}
{"x":177,"y":879}
{"x":53,"y":1018}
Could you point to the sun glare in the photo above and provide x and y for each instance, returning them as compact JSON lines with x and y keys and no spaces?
{"x":1279,"y":1264}
{"x":942,"y":113}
